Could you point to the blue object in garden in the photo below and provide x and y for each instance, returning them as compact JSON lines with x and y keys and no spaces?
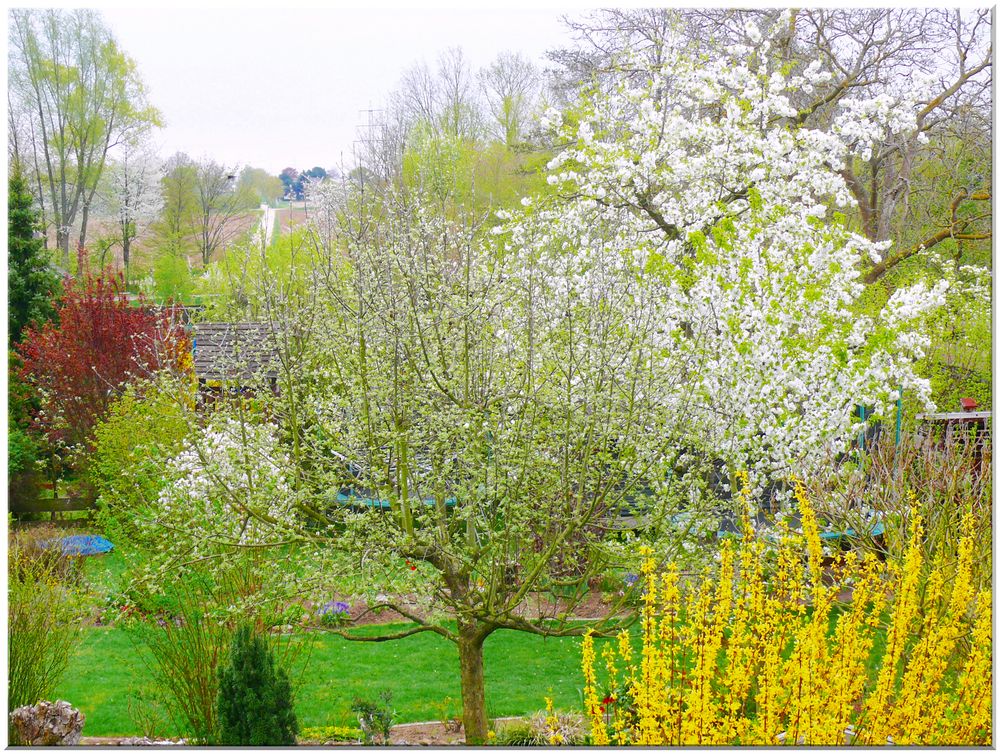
{"x":877,"y":531}
{"x":85,"y":544}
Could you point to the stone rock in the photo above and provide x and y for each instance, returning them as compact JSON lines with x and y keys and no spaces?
{"x":48,"y":724}
{"x":144,"y":741}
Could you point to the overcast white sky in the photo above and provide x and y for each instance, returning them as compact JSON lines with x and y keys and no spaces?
{"x":276,"y":88}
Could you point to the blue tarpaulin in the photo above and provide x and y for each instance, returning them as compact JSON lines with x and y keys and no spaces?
{"x":85,"y":544}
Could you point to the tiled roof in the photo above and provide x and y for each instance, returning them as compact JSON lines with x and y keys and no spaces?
{"x":234,"y":351}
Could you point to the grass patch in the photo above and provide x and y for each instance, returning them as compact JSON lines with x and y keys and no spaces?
{"x":104,"y":573}
{"x":421,"y":670}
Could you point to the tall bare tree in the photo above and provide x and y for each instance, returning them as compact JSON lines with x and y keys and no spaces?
{"x":218,"y":202}
{"x":511,"y":87}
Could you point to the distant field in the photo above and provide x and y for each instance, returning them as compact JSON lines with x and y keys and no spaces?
{"x":143,"y":247}
{"x":286,"y":219}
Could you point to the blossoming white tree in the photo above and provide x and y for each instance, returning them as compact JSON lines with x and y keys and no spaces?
{"x":447,"y":404}
{"x":925,"y":185}
{"x":131,"y":196}
{"x":697,"y":174}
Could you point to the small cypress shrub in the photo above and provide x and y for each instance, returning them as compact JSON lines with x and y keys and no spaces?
{"x":255,"y":696}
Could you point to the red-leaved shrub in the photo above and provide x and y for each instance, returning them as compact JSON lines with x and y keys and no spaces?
{"x":99,"y":342}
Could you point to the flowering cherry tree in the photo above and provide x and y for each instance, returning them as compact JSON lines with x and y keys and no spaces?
{"x":131,"y":195}
{"x":463,"y":422}
{"x":238,"y":474}
{"x":698,"y":176}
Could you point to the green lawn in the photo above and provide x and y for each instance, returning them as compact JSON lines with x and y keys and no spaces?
{"x":421,"y":670}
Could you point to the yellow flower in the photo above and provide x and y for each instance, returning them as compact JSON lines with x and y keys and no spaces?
{"x":764,"y":654}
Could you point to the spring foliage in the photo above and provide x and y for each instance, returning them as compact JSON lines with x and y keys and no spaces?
{"x":100,"y":343}
{"x":750,"y":658}
{"x":44,"y":611}
{"x":142,"y":430}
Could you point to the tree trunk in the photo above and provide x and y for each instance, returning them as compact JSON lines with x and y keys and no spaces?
{"x":62,"y":242}
{"x":126,"y":248}
{"x":470,"y":657}
{"x":84,"y":215}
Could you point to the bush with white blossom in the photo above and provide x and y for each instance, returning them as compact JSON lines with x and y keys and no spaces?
{"x":231,"y":482}
{"x":698,"y":177}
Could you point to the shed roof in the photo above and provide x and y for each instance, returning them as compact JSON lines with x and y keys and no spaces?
{"x":234,"y":350}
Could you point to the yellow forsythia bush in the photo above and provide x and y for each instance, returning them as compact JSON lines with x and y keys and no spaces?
{"x":765,"y":653}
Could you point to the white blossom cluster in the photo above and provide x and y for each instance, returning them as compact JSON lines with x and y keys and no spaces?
{"x":701,"y":184}
{"x":229,"y":484}
{"x":864,"y":123}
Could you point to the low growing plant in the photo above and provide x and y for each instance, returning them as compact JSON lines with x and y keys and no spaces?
{"x":545,"y":728}
{"x":514,"y":734}
{"x":147,"y":711}
{"x":333,"y":614}
{"x":375,"y":717}
{"x":189,"y":644}
{"x":186,"y":651}
{"x":740,"y":660}
{"x":329,"y":733}
{"x":553,"y":728}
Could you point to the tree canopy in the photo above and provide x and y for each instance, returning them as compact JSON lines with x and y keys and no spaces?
{"x":83,"y":95}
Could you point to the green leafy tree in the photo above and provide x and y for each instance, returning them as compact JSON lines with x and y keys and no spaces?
{"x":142,"y":429}
{"x":31,"y":284}
{"x":85,"y":96}
{"x":23,"y":445}
{"x":256,"y":185}
{"x":492,"y":463}
{"x":31,"y":287}
{"x":255,"y":696}
{"x":176,"y":226}
{"x":469,"y":174}
{"x":172,"y":279}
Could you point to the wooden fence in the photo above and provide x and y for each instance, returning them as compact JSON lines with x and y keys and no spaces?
{"x":54,"y":506}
